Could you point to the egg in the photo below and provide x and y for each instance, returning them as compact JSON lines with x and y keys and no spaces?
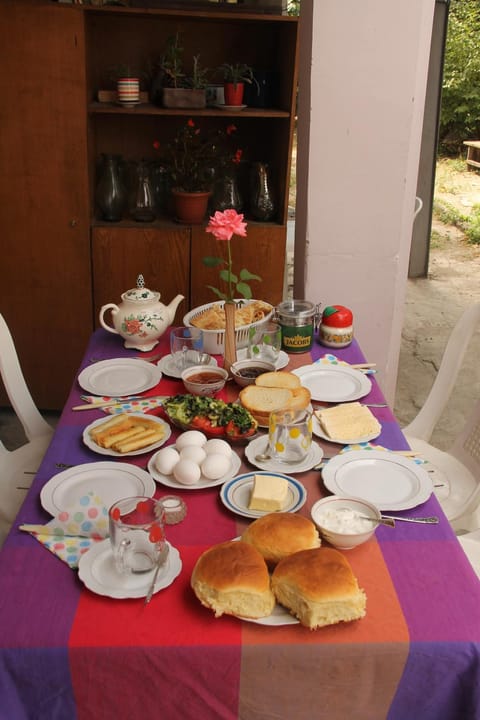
{"x":166,"y":459}
{"x":191,"y":437}
{"x":215,"y":466}
{"x":186,"y":472}
{"x":218,"y":446}
{"x":193,"y":452}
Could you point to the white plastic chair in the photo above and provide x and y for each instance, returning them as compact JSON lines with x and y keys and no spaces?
{"x":456,"y":473}
{"x":470,"y":543}
{"x":18,"y":466}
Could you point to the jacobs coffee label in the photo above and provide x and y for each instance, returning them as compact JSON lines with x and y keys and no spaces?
{"x":297,"y":339}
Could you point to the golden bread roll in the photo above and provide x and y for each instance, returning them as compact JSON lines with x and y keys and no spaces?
{"x":232,"y":578}
{"x":319,"y":588}
{"x":278,"y":378}
{"x":278,"y":535}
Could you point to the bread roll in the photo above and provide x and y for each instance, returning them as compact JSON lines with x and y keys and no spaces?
{"x":279,"y":379}
{"x":232,"y":578}
{"x":319,"y":588}
{"x":278,"y":535}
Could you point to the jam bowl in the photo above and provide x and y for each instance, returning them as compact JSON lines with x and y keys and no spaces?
{"x":244,"y":372}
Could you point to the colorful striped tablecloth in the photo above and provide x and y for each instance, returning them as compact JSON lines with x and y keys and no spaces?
{"x":66,"y":653}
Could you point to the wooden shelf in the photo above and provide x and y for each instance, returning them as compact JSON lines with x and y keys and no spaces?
{"x":149,"y":109}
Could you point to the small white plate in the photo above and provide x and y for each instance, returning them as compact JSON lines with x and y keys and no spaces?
{"x":235,"y":494}
{"x":281,"y":362}
{"x":260,"y":445}
{"x":333,"y":383}
{"x":231,"y":108}
{"x":167,"y":430}
{"x":96,"y":569}
{"x":168,"y":367}
{"x":203,"y":483}
{"x":317,"y":430}
{"x":109,"y":480}
{"x":119,"y":377}
{"x":278,"y":616}
{"x":389,"y":481}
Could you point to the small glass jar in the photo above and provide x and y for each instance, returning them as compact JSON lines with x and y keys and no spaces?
{"x":336,"y":327}
{"x":174,"y":508}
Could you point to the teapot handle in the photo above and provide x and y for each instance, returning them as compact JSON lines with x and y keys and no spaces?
{"x":114,"y":308}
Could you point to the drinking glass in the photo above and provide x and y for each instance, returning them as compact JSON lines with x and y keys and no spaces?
{"x":137,"y":534}
{"x":264,"y":342}
{"x":186,"y":346}
{"x":290,"y":435}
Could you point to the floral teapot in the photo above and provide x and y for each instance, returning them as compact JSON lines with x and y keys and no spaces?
{"x":141,"y":318}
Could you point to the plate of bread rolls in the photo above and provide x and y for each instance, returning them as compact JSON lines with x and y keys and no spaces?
{"x":126,"y":434}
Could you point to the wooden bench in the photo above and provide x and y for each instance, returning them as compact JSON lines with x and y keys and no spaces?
{"x":473,"y":153}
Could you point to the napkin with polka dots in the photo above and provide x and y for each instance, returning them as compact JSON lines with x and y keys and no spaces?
{"x":73,"y":531}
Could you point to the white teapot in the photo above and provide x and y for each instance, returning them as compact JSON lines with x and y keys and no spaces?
{"x":141,"y":318}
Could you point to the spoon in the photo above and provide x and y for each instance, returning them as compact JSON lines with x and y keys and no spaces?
{"x":160,"y":563}
{"x":388,"y":519}
{"x":262,"y":457}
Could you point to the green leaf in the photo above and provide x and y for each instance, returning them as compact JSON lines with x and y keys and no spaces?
{"x":244,"y":290}
{"x":212,"y":261}
{"x":217,"y":292}
{"x":228,"y":276}
{"x":247,"y":275}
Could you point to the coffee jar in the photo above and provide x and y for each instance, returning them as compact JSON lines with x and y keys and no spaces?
{"x":298,"y":320}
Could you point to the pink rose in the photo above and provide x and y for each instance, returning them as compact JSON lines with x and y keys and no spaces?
{"x":223,"y":225}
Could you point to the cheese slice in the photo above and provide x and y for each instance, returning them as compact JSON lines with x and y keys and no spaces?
{"x":348,"y":421}
{"x":269,"y":493}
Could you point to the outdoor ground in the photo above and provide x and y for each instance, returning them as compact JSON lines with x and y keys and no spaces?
{"x":434,"y":304}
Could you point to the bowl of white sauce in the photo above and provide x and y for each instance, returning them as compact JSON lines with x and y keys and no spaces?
{"x":345,"y":522}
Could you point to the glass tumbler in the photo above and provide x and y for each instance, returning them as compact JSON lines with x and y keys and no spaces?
{"x":264,"y":342}
{"x":290,"y":435}
{"x":137,"y":534}
{"x":186,"y":347}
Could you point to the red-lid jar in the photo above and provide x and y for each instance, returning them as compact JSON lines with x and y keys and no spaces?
{"x":336,"y":327}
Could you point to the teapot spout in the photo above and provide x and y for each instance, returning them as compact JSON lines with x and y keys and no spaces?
{"x":172,"y":307}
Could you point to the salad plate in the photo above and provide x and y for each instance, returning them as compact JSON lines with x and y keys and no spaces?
{"x":333,"y":383}
{"x":389,"y":481}
{"x":202,"y":484}
{"x":317,"y":430}
{"x":259,"y":446}
{"x":235,"y":494}
{"x":168,"y":367}
{"x":96,"y":569}
{"x":214,"y":417}
{"x":119,"y":377}
{"x":167,"y":431}
{"x":109,"y":480}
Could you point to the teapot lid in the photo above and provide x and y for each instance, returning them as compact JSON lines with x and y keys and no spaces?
{"x":140,"y":293}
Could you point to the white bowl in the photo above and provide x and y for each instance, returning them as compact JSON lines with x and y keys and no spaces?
{"x":213,"y":340}
{"x":198,"y":387}
{"x":243,"y":366}
{"x":337,"y":511}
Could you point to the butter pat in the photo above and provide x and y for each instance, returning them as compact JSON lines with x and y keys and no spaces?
{"x":269,"y":493}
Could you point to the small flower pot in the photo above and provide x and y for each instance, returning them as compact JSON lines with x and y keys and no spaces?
{"x":234,"y":93}
{"x":190,"y":208}
{"x":128,"y":90}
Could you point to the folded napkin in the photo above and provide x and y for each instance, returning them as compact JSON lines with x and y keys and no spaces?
{"x":329,"y":359}
{"x":74,"y":530}
{"x":140,"y":404}
{"x":370,"y":446}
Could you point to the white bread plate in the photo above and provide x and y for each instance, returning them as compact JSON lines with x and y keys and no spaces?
{"x":213,"y":340}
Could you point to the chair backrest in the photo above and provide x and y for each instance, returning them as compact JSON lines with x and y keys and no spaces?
{"x":423,"y":425}
{"x":18,"y":393}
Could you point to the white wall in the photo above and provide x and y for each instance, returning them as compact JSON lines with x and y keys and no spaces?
{"x":363,"y":72}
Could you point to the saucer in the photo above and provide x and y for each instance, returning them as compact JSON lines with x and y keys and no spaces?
{"x":97,"y":571}
{"x":260,"y":444}
{"x":231,"y":108}
{"x":168,"y":367}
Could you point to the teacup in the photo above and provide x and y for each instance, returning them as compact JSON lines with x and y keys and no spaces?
{"x":137,"y":534}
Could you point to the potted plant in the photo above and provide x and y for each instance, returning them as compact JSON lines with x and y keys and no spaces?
{"x":175,"y":87}
{"x":192,"y":159}
{"x":128,"y":84}
{"x":234,"y":78}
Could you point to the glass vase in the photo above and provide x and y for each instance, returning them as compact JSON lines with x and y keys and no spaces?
{"x":111,"y":194}
{"x":143,"y":200}
{"x":262,"y":204}
{"x":226,"y":194}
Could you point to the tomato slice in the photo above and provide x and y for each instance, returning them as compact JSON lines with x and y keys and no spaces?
{"x":234,"y":432}
{"x":200,"y":422}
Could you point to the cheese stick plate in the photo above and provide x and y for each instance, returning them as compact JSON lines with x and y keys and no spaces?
{"x":235,"y":494}
{"x":111,"y":481}
{"x":153,"y":419}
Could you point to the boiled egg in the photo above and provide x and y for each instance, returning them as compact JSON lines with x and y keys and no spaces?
{"x":186,"y":472}
{"x":193,"y":452}
{"x":218,"y":447}
{"x":191,"y":437}
{"x":215,"y":466}
{"x":166,"y":459}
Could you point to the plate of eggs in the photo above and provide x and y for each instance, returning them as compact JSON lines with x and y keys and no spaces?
{"x":194,"y":462}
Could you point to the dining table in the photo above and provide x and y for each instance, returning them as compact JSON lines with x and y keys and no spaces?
{"x":67,"y":652}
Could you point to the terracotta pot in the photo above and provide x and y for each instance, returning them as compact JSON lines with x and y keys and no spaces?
{"x":233,"y":93}
{"x":190,"y":208}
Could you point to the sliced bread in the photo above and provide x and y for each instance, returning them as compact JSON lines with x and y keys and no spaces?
{"x":261,"y":401}
{"x":278,"y":379}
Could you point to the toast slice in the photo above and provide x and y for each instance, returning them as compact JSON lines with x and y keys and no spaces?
{"x":261,"y":401}
{"x":278,"y":379}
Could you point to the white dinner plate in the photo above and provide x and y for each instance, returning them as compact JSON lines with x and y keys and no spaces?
{"x":389,"y":481}
{"x":119,"y":377}
{"x":203,"y":483}
{"x":168,"y":367}
{"x":235,"y":494}
{"x":260,"y":445}
{"x":317,"y":430}
{"x":167,"y":431}
{"x":111,"y":481}
{"x":281,"y":362}
{"x":96,"y":569}
{"x":334,"y":383}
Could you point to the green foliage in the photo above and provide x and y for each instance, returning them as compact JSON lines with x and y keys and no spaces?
{"x":460,"y":111}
